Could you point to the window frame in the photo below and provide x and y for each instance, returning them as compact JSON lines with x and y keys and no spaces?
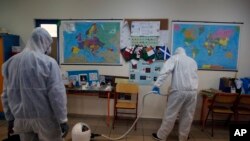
{"x":38,"y":22}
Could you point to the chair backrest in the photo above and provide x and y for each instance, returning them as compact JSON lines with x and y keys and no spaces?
{"x":244,"y":99}
{"x":121,"y":80}
{"x":127,"y":88}
{"x":225,"y":98}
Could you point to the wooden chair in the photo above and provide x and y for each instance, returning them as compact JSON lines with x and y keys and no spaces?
{"x":125,"y":106}
{"x":243,"y":106}
{"x":222,"y":103}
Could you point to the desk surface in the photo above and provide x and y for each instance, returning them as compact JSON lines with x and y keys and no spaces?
{"x":209,"y":92}
{"x":104,"y":88}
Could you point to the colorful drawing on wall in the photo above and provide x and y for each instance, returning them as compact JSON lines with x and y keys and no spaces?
{"x":213,"y":45}
{"x":90,"y":42}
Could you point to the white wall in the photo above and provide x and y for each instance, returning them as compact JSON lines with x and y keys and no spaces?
{"x":17,"y":16}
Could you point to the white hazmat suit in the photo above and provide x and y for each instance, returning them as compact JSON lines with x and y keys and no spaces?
{"x":183,"y":94}
{"x":34,"y":94}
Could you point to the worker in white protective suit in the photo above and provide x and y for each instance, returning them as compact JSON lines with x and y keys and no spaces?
{"x":34,"y":96}
{"x":182,"y":94}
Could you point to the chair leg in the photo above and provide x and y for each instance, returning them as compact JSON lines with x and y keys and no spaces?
{"x":204,"y":124}
{"x":115,"y":110}
{"x":113,"y":126}
{"x":212,"y":124}
{"x":135,"y":117}
{"x":115,"y":117}
{"x":236,"y":117}
{"x":228,"y":119}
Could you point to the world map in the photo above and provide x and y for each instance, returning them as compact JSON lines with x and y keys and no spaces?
{"x":95,"y":42}
{"x":213,"y":46}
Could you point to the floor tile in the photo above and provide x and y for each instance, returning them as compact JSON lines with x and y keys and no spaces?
{"x":145,"y":128}
{"x":134,"y":138}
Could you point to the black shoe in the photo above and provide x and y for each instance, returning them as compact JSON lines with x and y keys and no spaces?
{"x":155,"y":137}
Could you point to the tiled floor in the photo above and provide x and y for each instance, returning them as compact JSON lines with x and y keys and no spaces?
{"x":145,"y":128}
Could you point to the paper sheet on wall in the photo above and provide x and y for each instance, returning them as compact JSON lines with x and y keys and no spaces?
{"x":69,"y":27}
{"x":65,"y":78}
{"x":145,"y":40}
{"x":125,"y":35}
{"x":163,"y":38}
{"x":144,"y":28}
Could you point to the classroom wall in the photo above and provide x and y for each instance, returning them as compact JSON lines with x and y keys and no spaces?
{"x":17,"y":16}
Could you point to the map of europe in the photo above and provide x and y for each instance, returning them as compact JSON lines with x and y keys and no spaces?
{"x":213,"y":46}
{"x":86,"y":42}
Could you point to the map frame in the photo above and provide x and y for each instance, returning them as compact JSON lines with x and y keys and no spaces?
{"x":61,"y":48}
{"x":208,"y":67}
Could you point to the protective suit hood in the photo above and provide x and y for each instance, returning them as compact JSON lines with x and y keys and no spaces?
{"x":40,"y":41}
{"x":184,"y":72}
{"x":180,"y":50}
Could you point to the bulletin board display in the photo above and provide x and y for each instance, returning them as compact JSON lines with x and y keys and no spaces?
{"x":214,"y":46}
{"x":89,"y":42}
{"x":144,"y":73}
{"x":84,"y":76}
{"x":163,"y":25}
{"x":145,"y":46}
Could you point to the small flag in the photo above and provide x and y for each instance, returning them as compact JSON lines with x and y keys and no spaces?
{"x":162,"y":53}
{"x":137,"y":52}
{"x":127,"y":53}
{"x":148,"y":54}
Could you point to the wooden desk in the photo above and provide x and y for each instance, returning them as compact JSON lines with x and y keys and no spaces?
{"x":206,"y":102}
{"x":93,"y":91}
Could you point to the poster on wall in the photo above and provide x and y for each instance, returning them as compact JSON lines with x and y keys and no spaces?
{"x":90,"y":42}
{"x":83,"y":76}
{"x":148,"y":52}
{"x":144,"y":73}
{"x":145,"y":28}
{"x":214,"y":46}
